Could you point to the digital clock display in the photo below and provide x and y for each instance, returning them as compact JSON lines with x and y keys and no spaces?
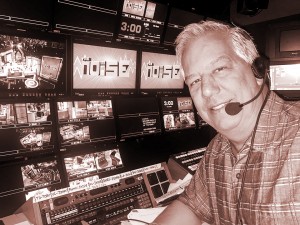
{"x":178,"y":113}
{"x":142,"y":21}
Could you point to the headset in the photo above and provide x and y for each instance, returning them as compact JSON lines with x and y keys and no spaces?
{"x":260,"y":68}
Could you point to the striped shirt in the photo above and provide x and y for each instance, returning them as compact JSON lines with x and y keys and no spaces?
{"x":271,"y":190}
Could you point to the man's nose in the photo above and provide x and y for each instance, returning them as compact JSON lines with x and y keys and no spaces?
{"x":209,"y":86}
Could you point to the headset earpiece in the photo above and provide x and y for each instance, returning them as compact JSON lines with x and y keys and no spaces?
{"x":260,"y":67}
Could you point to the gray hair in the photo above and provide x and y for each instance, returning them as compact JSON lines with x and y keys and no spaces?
{"x":242,"y":41}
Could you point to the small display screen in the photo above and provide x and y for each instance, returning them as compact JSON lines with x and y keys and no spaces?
{"x":29,"y":127}
{"x":160,"y":72}
{"x":84,"y":165}
{"x":285,"y":77}
{"x":85,"y":121}
{"x":142,"y":21}
{"x":29,"y":175}
{"x":138,"y":116}
{"x":178,"y":113}
{"x":103,"y":68}
{"x":289,"y":40}
{"x":40,"y":174}
{"x":30,"y":64}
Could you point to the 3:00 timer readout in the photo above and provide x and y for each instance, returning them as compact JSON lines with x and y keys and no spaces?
{"x":133,"y":28}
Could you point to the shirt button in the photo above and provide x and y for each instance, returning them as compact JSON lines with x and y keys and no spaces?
{"x":238,"y":175}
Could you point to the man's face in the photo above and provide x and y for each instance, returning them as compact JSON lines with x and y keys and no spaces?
{"x":216,"y":76}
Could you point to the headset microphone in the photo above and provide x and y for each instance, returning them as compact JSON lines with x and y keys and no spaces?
{"x":233,"y":108}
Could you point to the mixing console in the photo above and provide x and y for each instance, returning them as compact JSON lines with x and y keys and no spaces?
{"x":106,"y":205}
{"x":185,"y":162}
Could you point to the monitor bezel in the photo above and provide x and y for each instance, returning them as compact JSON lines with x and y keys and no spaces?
{"x":100,"y":92}
{"x":159,"y":91}
{"x":61,"y":84}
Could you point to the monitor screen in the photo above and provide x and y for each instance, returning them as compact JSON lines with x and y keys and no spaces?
{"x":29,"y":126}
{"x":98,"y":69}
{"x":142,"y":20}
{"x":27,"y":14}
{"x":88,"y":164}
{"x":85,"y":122}
{"x":31,"y":66}
{"x":137,"y":116}
{"x":160,"y":72}
{"x":285,"y":76}
{"x":96,"y":17}
{"x":178,"y":113}
{"x":29,"y":175}
{"x":178,"y":19}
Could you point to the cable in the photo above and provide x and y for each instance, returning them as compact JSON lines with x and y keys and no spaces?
{"x":238,"y":219}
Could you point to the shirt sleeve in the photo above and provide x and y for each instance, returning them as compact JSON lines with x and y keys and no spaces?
{"x":196,"y":195}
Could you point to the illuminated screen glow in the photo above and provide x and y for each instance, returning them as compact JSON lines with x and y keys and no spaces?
{"x":178,"y":113}
{"x":40,"y":174}
{"x":142,"y":21}
{"x":91,"y":163}
{"x":29,"y":63}
{"x":29,"y":127}
{"x":83,"y":122}
{"x":285,"y":77}
{"x":160,"y":71}
{"x":98,"y":67}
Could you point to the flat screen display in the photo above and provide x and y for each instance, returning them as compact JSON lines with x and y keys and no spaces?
{"x":29,"y":175}
{"x":29,"y":126}
{"x":96,"y":17}
{"x":98,"y":68}
{"x":27,"y":14}
{"x":289,"y":40}
{"x":32,"y":65}
{"x":137,"y":117}
{"x":178,"y":19}
{"x":178,"y":113}
{"x":142,"y":20}
{"x":83,"y":165}
{"x":285,"y":76}
{"x":84,"y":122}
{"x":160,"y":72}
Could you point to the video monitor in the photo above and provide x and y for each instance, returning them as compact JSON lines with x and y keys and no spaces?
{"x":178,"y":113}
{"x":87,"y":164}
{"x":86,"y":17}
{"x":85,"y":122}
{"x":137,"y":116}
{"x":26,"y":128}
{"x":142,"y":20}
{"x":285,"y":76}
{"x":160,"y":73}
{"x":32,"y":66}
{"x":285,"y":79}
{"x":23,"y":14}
{"x":30,"y":175}
{"x":286,"y":40}
{"x":178,"y":19}
{"x":99,"y":70}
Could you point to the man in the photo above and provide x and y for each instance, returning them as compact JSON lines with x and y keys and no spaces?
{"x":250,"y":173}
